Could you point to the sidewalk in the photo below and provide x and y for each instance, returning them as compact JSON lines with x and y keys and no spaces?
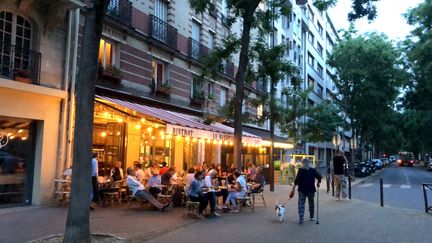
{"x":356,"y":221}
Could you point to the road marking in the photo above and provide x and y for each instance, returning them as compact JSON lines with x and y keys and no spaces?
{"x":366,"y":185}
{"x":386,"y":185}
{"x":405,"y":187}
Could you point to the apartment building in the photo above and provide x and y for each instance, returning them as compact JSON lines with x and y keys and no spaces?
{"x":310,"y":34}
{"x":33,"y":98}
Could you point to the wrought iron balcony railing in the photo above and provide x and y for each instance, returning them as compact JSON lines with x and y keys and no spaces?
{"x":197,"y":49}
{"x":163,"y":32}
{"x":120,"y":10}
{"x":19,"y":63}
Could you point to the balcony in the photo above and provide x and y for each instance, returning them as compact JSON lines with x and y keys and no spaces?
{"x":213,"y":10}
{"x":120,"y":10}
{"x":198,"y":98}
{"x":163,"y":32}
{"x":197,"y":50}
{"x":19,"y":63}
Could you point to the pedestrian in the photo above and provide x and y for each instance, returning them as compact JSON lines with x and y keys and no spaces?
{"x":305,"y":180}
{"x":95,"y":186}
{"x":339,"y":178}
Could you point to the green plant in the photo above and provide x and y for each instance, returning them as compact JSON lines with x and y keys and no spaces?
{"x":210,"y":96}
{"x":277,"y":164}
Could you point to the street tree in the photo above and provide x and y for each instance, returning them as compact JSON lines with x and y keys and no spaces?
{"x":417,"y":103}
{"x":251,"y":18}
{"x":77,"y":225}
{"x":368,"y":76}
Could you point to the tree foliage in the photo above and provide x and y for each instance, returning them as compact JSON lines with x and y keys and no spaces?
{"x":418,"y":103}
{"x":369,"y":72}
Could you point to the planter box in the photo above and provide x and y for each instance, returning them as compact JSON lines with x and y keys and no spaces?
{"x":199,"y":101}
{"x":23,"y":80}
{"x":163,"y":90}
{"x":109,"y":76}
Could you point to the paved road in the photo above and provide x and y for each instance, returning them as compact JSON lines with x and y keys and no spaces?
{"x":402,"y":187}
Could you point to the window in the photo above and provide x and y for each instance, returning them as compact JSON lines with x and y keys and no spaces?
{"x":223,"y":96}
{"x":320,"y":29}
{"x":17,"y":31}
{"x":244,"y":106}
{"x":310,"y":60}
{"x":319,"y":49}
{"x":197,"y":88}
{"x":311,"y":38}
{"x":260,"y":110}
{"x":319,"y":90}
{"x":105,"y":53}
{"x":311,"y":82}
{"x":320,"y":70}
{"x":210,"y":90}
{"x":158,"y":73}
{"x":161,"y":9}
{"x":196,"y":31}
{"x":211,"y":43}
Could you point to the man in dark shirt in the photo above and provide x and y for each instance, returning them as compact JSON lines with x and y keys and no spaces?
{"x":305,"y":180}
{"x":339,"y":179}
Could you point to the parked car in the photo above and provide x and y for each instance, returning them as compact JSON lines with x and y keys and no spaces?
{"x":385,"y":161}
{"x":360,"y":169}
{"x":370,"y":166}
{"x":378,"y":163}
{"x":392,"y":158}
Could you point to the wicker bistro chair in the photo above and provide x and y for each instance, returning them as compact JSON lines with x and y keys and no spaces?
{"x":246,"y":201}
{"x":62,"y":190}
{"x":191,"y":208}
{"x":260,"y":193}
{"x":113,"y":194}
{"x":166,"y":197}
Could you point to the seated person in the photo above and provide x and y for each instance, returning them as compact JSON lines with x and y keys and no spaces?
{"x":164,"y":168}
{"x":138,"y":171}
{"x":166,"y":177}
{"x":258,"y":181}
{"x":154,"y":184}
{"x":239,"y":189}
{"x":117,"y":172}
{"x":196,"y":194}
{"x":251,"y":170}
{"x":189,"y":177}
{"x":209,"y":180}
{"x":139,"y":191}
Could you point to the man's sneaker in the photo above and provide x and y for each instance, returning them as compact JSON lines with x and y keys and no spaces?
{"x":225,"y":209}
{"x":346,"y":199}
{"x":234,"y":211}
{"x":301,"y":221}
{"x":312,"y":219}
{"x":214,"y":214}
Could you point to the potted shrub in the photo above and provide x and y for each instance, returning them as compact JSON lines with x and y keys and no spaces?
{"x":210,"y":96}
{"x":23,"y":75}
{"x":111,"y":74}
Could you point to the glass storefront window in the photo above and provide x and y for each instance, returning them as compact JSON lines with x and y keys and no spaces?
{"x":16,"y":160}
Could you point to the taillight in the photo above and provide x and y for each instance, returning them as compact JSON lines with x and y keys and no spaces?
{"x":412,"y":161}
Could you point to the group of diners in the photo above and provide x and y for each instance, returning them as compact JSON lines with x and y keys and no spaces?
{"x":206,"y":186}
{"x":202,"y":183}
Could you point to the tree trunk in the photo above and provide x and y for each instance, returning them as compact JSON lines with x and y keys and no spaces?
{"x":243,"y":64}
{"x":78,"y":225}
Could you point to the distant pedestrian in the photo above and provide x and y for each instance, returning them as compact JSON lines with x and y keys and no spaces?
{"x":305,"y":180}
{"x":95,"y":196}
{"x":339,"y":178}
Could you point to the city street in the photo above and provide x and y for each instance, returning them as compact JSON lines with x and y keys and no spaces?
{"x":402,"y":186}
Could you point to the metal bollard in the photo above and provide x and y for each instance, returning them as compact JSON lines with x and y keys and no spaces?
{"x":381,"y":192}
{"x":349,"y":187}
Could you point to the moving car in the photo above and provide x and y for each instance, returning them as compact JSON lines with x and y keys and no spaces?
{"x":406,"y":158}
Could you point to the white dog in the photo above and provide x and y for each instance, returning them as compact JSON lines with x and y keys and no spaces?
{"x":280,"y":212}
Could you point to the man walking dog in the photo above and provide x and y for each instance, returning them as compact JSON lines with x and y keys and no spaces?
{"x":305,"y":180}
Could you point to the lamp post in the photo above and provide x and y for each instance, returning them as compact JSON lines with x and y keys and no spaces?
{"x":350,"y":164}
{"x":335,"y":141}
